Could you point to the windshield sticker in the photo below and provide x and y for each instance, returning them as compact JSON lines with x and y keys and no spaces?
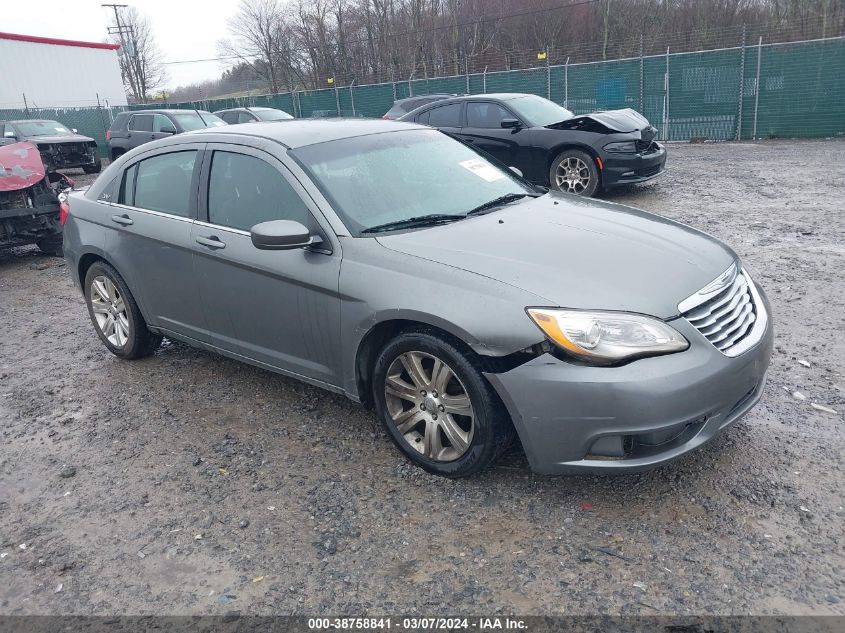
{"x":481,"y":169}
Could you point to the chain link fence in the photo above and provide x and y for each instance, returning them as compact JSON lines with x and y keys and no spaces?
{"x":757,"y":90}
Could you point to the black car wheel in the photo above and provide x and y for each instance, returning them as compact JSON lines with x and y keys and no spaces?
{"x":573,"y":171}
{"x":437,"y":406}
{"x":93,"y":169}
{"x":115,"y":314}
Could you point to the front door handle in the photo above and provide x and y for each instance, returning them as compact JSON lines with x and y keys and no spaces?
{"x":211,"y":242}
{"x":124,"y":219}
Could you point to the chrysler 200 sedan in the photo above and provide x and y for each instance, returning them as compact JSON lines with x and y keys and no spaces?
{"x":393,"y":264}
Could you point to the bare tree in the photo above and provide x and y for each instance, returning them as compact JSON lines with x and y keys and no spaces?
{"x":140,"y":58}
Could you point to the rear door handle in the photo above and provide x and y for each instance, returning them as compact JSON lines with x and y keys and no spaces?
{"x":124,"y":219}
{"x":211,"y":242}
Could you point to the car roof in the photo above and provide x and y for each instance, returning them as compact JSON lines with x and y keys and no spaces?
{"x":29,"y":121}
{"x":164,"y":111}
{"x":247,"y":108}
{"x":301,"y":132}
{"x":499,"y":96}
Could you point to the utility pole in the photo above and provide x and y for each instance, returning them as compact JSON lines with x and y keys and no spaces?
{"x":127,"y":51}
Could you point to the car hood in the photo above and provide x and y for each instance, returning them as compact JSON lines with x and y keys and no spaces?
{"x":20,"y":166}
{"x":578,"y":253}
{"x":61,"y":138}
{"x":622,"y":121}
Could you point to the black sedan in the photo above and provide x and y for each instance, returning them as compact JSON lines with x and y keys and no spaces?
{"x":549,"y":144}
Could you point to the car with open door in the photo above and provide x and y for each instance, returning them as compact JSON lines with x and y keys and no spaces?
{"x":580,"y":154}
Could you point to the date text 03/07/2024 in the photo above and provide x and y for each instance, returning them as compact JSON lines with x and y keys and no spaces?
{"x":417,"y":624}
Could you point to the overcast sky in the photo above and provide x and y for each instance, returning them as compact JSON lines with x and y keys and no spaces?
{"x":184,"y":29}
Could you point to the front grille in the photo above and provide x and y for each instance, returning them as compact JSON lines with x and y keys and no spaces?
{"x":727,"y":318}
{"x":644,"y":147}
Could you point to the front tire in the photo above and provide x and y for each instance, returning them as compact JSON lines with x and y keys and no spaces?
{"x":93,"y":169}
{"x":574,"y":171}
{"x":437,"y":407}
{"x":115,"y":314}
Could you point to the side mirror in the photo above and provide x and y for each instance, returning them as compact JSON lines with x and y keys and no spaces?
{"x":510,"y":123}
{"x":280,"y":235}
{"x":10,"y":135}
{"x":168,"y":130}
{"x":516,"y":171}
{"x":74,"y":130}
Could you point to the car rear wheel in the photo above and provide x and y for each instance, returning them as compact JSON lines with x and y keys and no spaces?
{"x":93,"y":169}
{"x":437,"y":406}
{"x":573,"y":171}
{"x":115,"y":314}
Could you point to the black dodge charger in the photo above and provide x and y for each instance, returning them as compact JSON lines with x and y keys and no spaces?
{"x":549,"y":144}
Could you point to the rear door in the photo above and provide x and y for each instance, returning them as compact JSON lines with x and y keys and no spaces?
{"x":280,"y":308}
{"x":483,"y":129}
{"x":446,"y":118}
{"x":140,"y":130}
{"x":150,"y":240}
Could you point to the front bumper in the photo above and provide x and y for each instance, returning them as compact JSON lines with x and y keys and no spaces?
{"x":68,"y":155}
{"x":625,"y":169}
{"x":575,"y":418}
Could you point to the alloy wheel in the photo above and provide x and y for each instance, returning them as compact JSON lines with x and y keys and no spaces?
{"x":109,"y":310}
{"x":572,"y":175}
{"x":429,"y":405}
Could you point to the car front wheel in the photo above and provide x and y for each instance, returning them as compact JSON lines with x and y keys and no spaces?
{"x":437,"y":406}
{"x":574,"y":171}
{"x":96,"y":168}
{"x":115,"y":314}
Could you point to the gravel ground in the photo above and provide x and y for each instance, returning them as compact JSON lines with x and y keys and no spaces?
{"x":187,"y":483}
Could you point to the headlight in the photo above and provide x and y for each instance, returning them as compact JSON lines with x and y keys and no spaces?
{"x":607,"y":337}
{"x":623,"y":147}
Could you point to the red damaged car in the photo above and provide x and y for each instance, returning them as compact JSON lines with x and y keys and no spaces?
{"x":32,"y":208}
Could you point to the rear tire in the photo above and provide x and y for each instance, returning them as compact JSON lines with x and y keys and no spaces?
{"x":441,"y":413}
{"x":574,"y":171}
{"x":96,"y":168}
{"x":115,"y":314}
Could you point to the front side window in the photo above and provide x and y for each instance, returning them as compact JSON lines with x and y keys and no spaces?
{"x":245,"y":117}
{"x":445,"y":116}
{"x":141,"y":123}
{"x":272,"y":115}
{"x":162,"y":183}
{"x":485,"y":114}
{"x":244,"y":191}
{"x":161,"y":122}
{"x":192,"y":120}
{"x":382,"y":178}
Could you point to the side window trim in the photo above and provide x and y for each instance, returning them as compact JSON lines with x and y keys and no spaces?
{"x":199,"y":148}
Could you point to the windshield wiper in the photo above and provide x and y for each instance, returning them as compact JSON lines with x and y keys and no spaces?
{"x":496,"y":202}
{"x":423,"y":220}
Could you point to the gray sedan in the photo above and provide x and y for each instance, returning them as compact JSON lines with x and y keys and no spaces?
{"x":395,"y":265}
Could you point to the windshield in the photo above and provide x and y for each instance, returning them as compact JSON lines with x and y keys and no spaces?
{"x":271,"y":115}
{"x":539,"y":111}
{"x":43,"y":128}
{"x":385,"y":178}
{"x":193,"y":121}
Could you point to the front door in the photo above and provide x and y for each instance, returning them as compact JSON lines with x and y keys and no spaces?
{"x":484,"y":130}
{"x":280,"y":308}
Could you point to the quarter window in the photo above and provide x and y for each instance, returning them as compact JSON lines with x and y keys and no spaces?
{"x":244,"y":191}
{"x":484,"y":114}
{"x":162,"y":183}
{"x":446,"y":116}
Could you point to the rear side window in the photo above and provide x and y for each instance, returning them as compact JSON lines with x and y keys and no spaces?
{"x":161,"y":183}
{"x":141,"y":123}
{"x":445,"y":116}
{"x":119,"y":122}
{"x":244,"y":191}
{"x":423,"y":118}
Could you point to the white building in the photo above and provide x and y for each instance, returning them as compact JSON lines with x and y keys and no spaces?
{"x":42,"y":72}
